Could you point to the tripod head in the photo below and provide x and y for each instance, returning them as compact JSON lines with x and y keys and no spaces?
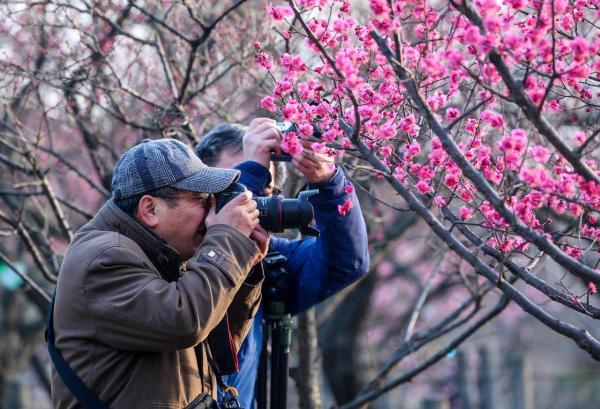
{"x":277,"y":324}
{"x":276,"y":284}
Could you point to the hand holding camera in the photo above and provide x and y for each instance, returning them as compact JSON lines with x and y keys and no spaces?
{"x":240,"y":212}
{"x":315,"y":167}
{"x":275,"y":213}
{"x":262,"y":144}
{"x":261,"y":138}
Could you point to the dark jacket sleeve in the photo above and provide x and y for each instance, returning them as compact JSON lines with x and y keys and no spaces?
{"x":135,"y":309}
{"x":319,"y":267}
{"x":245,"y":304}
{"x":254,"y":176}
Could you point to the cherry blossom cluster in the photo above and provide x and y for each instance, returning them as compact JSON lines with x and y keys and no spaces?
{"x":340,"y":78}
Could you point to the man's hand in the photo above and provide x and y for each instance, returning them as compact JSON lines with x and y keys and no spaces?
{"x":261,"y":237}
{"x":315,"y":167}
{"x":260,"y":139}
{"x":240,"y":213}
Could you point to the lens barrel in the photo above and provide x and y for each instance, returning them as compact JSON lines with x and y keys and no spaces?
{"x":276,"y":212}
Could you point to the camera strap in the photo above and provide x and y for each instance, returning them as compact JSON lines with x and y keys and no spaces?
{"x":78,"y":388}
{"x":230,"y":394}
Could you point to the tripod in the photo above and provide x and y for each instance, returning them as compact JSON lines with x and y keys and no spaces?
{"x":277,"y":324}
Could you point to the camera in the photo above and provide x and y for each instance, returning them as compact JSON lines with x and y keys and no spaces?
{"x":276,"y":212}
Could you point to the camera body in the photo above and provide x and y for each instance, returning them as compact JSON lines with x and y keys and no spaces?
{"x":276,"y":212}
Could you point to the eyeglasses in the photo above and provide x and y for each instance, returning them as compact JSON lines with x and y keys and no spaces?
{"x":205,"y":199}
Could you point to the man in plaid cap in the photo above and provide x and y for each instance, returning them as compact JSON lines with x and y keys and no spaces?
{"x":134,"y":325}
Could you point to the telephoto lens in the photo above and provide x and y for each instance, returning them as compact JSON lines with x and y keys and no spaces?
{"x":278,"y":213}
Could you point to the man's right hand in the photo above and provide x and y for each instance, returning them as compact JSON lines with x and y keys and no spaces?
{"x":240,"y":213}
{"x":261,"y":138}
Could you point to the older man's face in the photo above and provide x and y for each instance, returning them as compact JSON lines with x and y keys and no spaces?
{"x":183,"y":225}
{"x":231,"y":160}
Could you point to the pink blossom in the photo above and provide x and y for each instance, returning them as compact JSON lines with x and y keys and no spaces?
{"x":408,"y":125}
{"x":438,"y":156}
{"x":437,"y":101}
{"x":291,"y":144}
{"x":571,"y":251}
{"x":282,"y":87}
{"x":492,"y":23}
{"x":592,"y":288}
{"x":293,"y":64}
{"x":465,"y":213}
{"x":452,"y":114}
{"x":365,"y":112}
{"x":492,"y":118}
{"x":290,"y":111}
{"x":306,"y":129}
{"x":399,"y":174}
{"x":385,"y":151}
{"x":413,"y":150}
{"x":471,"y":126}
{"x":515,"y":142}
{"x":348,"y":188}
{"x":379,"y":7}
{"x":579,"y":137}
{"x":268,"y":104}
{"x":451,"y":180}
{"x":388,"y":131}
{"x":423,"y":187}
{"x":580,"y":49}
{"x":280,"y":12}
{"x":262,"y":59}
{"x":575,"y":209}
{"x":517,"y":4}
{"x":465,"y":195}
{"x":540,"y":154}
{"x":345,"y":208}
{"x":426,"y":173}
{"x":439,"y":201}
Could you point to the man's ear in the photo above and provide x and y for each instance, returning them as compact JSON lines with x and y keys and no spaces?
{"x":147,"y":212}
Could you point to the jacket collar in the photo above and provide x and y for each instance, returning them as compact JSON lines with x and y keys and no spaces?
{"x":164,"y":257}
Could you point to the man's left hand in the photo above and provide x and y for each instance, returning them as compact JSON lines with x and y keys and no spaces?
{"x":315,"y":167}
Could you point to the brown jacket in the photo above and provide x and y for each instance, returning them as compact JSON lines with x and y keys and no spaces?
{"x":127,"y":321}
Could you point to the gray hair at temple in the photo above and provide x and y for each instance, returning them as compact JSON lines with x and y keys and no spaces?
{"x":227,"y":138}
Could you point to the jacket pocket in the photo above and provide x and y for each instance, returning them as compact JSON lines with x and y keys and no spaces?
{"x":220,"y":260}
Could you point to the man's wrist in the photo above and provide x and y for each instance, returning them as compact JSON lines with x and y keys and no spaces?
{"x":254,"y":175}
{"x":330,"y":179}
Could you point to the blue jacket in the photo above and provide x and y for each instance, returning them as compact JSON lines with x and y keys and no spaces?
{"x":319,"y":267}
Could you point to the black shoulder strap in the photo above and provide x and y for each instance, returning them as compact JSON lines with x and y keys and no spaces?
{"x":80,"y":390}
{"x":221,"y":344}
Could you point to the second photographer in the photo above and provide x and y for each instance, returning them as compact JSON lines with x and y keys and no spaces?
{"x":318,"y":266}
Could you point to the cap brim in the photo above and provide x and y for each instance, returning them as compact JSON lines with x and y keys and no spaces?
{"x":208,"y":180}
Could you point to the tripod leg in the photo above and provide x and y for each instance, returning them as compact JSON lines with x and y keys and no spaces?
{"x":261,"y":385}
{"x":284,"y":370}
{"x":275,"y":367}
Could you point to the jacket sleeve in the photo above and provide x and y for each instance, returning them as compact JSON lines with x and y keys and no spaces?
{"x":254,"y":176}
{"x":319,"y":267}
{"x":245,"y":304}
{"x":135,"y":309}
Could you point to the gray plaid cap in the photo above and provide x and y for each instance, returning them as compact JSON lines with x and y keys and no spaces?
{"x":166,"y":162}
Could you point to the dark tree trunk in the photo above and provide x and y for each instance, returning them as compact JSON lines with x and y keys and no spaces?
{"x":338,"y":340}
